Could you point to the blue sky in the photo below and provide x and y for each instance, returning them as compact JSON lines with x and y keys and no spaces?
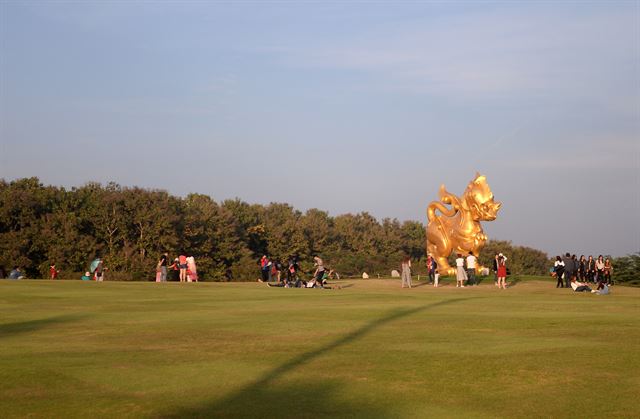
{"x":363,"y":106}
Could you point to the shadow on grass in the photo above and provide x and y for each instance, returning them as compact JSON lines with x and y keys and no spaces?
{"x":10,"y":329}
{"x":265,"y":398}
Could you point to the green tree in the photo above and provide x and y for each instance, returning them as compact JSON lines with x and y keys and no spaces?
{"x":626,"y":269}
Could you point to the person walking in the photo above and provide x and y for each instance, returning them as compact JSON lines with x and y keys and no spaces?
{"x":405,"y":268}
{"x":461,"y":275}
{"x":471,"y":269}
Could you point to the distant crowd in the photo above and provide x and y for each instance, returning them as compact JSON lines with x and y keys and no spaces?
{"x":575,"y":273}
{"x":570,"y":271}
{"x":466,"y":270}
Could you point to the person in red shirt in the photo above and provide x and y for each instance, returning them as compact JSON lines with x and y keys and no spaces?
{"x":183,"y":268}
{"x":53,"y":272}
{"x":265,"y":269}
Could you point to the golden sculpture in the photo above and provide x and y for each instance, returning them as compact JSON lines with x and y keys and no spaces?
{"x":458,"y":229}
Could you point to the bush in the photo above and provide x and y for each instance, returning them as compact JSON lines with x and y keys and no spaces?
{"x":626,"y":269}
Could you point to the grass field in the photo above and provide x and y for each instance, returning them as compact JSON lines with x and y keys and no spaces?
{"x":370,"y":349}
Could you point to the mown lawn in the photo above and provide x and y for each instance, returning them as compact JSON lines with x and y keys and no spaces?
{"x":370,"y":349}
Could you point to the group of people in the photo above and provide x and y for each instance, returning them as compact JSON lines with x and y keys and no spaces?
{"x":432,"y":271}
{"x":571,"y":272}
{"x":96,"y":271}
{"x":182,"y":269}
{"x":465,"y":276}
{"x":271,"y":273}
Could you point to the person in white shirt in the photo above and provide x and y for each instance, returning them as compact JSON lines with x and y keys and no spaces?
{"x":580,"y":286}
{"x":558,"y":270}
{"x":461,"y":275}
{"x":471,"y":269}
{"x":405,"y":267}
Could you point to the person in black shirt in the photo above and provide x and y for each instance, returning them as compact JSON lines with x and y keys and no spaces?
{"x":162,"y":263}
{"x":568,"y":269}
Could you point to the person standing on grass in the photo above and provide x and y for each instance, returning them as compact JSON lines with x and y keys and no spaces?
{"x":99,"y":273}
{"x":431,"y":268}
{"x":568,"y":269}
{"x":599,"y":269}
{"x":405,"y":268}
{"x":175,"y":270}
{"x":591,"y":269}
{"x":292,"y":270}
{"x":319,"y":273}
{"x":192,"y":270}
{"x":461,"y":275}
{"x":495,"y":270}
{"x":265,"y":267}
{"x":471,"y":268}
{"x":582,"y":268}
{"x":607,"y":271}
{"x":502,"y":273}
{"x":276,"y":271}
{"x":53,"y":272}
{"x":182,"y":259}
{"x":558,"y":269}
{"x":162,"y":264}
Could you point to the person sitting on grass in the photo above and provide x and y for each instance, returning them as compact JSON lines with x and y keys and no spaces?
{"x":603,"y":289}
{"x":580,"y":286}
{"x":16,"y":273}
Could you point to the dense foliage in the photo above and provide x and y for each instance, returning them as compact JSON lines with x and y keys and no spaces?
{"x":626,"y":269}
{"x":131,"y":227}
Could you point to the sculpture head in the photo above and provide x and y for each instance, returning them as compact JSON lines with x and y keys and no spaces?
{"x":479,"y":200}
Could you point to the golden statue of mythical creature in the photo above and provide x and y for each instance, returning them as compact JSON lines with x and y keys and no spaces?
{"x":458,"y":229}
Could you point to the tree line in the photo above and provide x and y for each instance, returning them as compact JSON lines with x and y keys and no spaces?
{"x":130,"y":227}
